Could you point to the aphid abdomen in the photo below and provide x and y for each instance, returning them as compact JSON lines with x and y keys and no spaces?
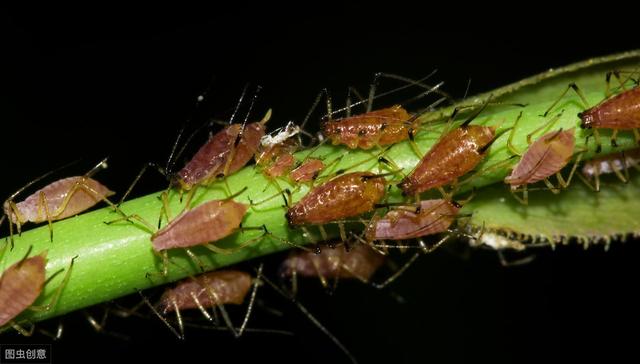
{"x":358,"y":262}
{"x":545,"y":157}
{"x":365,"y":131}
{"x":611,"y":163}
{"x":212,"y":157}
{"x":346,"y":196}
{"x":55,"y":193}
{"x":454,"y":155}
{"x":281,"y":166}
{"x":307,"y":172}
{"x":229,"y":287}
{"x":206,"y":223}
{"x":435,"y":216}
{"x":20,"y":285}
{"x":621,"y":111}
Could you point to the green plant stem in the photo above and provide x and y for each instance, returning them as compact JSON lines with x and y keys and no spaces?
{"x":113,"y":260}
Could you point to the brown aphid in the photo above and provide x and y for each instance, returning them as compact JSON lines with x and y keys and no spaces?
{"x":58,"y":200}
{"x":621,"y":111}
{"x":432,"y":217}
{"x":207,"y":290}
{"x":205,"y":223}
{"x":307,"y":171}
{"x":359,"y":262}
{"x":226,"y":152}
{"x":544,"y":158}
{"x":20,"y":286}
{"x":453,"y":156}
{"x":375,"y":128}
{"x":275,"y":153}
{"x":345,"y":196}
{"x":616,"y":163}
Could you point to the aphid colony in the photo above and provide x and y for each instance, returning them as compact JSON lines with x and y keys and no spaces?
{"x":344,"y":197}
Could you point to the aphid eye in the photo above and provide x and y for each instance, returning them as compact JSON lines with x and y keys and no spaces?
{"x":362,"y":132}
{"x":580,"y":115}
{"x":383,"y":126}
{"x":220,"y":176}
{"x":456,"y":204}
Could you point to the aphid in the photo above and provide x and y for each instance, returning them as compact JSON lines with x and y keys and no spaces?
{"x":359,"y":262}
{"x":617,"y":112}
{"x":454,"y":155}
{"x":544,"y":158}
{"x":56,"y":201}
{"x":20,"y":286}
{"x":345,"y":196}
{"x":308,"y":171}
{"x":613,"y":163}
{"x":223,"y":154}
{"x":275,"y":153}
{"x":226,"y":152}
{"x":209,"y":290}
{"x":375,"y":128}
{"x":431,"y":217}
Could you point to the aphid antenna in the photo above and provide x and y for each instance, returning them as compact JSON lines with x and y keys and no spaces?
{"x":26,"y":255}
{"x":476,"y":113}
{"x":421,"y":95}
{"x":381,"y":74}
{"x":311,"y":318}
{"x":40,"y":178}
{"x":239,"y":103}
{"x":576,"y":89}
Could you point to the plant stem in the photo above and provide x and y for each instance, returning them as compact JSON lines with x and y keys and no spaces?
{"x":113,"y":260}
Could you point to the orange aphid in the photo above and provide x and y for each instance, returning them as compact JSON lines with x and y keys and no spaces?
{"x":20,"y":286}
{"x":453,"y":156}
{"x":307,"y":171}
{"x":345,"y":196}
{"x":621,"y":111}
{"x":375,"y":128}
{"x":544,"y":158}
{"x":434,"y":216}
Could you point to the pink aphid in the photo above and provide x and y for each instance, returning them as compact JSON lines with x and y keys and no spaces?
{"x":20,"y":286}
{"x":307,"y":171}
{"x":207,"y":290}
{"x":58,"y":200}
{"x":205,"y":223}
{"x":433,"y":217}
{"x":358,"y":262}
{"x":545,"y":157}
{"x":226,"y":152}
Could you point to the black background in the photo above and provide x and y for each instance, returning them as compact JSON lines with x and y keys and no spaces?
{"x":88,"y":83}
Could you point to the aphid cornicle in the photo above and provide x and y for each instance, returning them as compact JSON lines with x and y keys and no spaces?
{"x":359,"y":262}
{"x":432,"y":217}
{"x":453,"y":156}
{"x":345,"y":196}
{"x":56,"y":201}
{"x":617,"y":163}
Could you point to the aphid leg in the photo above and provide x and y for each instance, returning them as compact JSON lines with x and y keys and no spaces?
{"x":545,"y":126}
{"x":397,"y":273}
{"x":54,"y":299}
{"x":574,"y":87}
{"x":561,"y":181}
{"x":43,"y":203}
{"x":614,"y":134}
{"x":586,"y":181}
{"x":154,"y":166}
{"x":179,"y":335}
{"x":506,"y":262}
{"x":323,"y":233}
{"x":348,"y":102}
{"x":525,"y":194}
{"x":636,"y":135}
{"x":311,"y":318}
{"x":616,"y":74}
{"x":554,"y":189}
{"x":216,"y":249}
